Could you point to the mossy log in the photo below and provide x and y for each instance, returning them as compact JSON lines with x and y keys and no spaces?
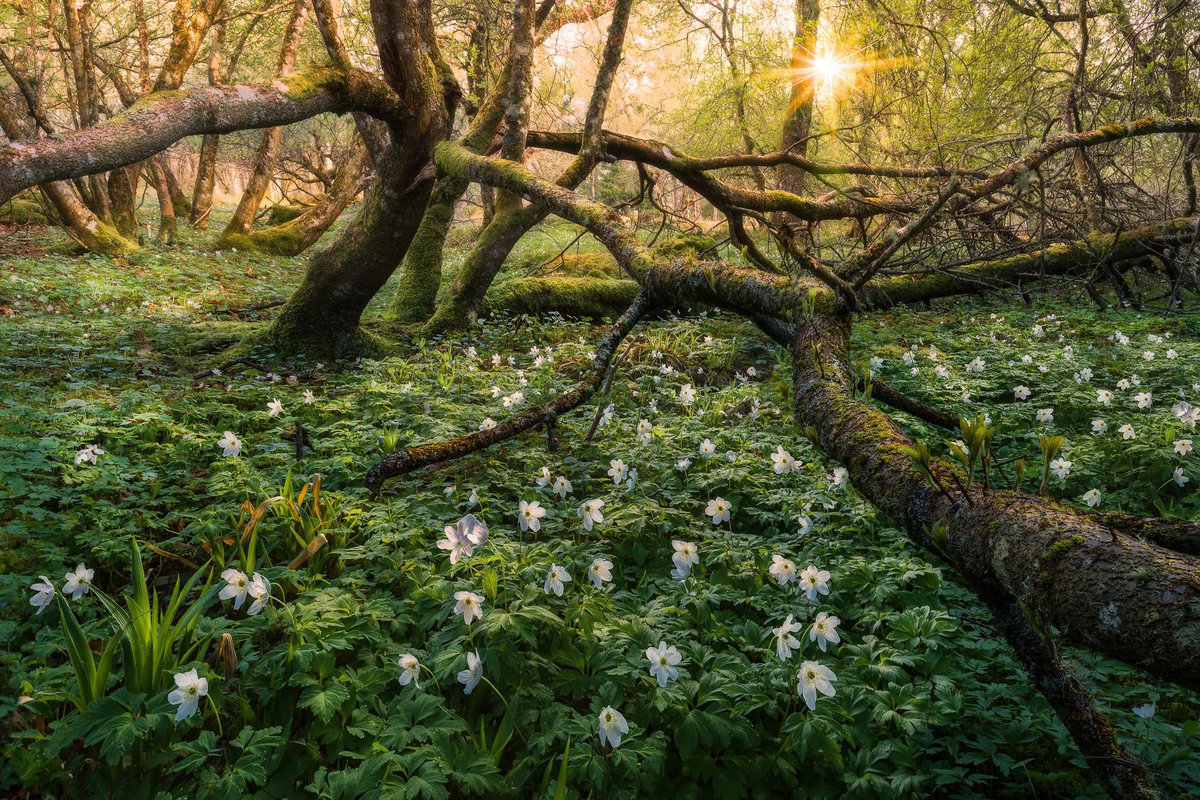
{"x":1113,"y":592}
{"x":25,"y":212}
{"x":546,"y":414}
{"x":596,"y":298}
{"x":1103,"y":588}
{"x":293,"y":236}
{"x":283,"y":212}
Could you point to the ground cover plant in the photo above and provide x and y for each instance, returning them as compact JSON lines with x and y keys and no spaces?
{"x":599,"y":398}
{"x":354,"y":673}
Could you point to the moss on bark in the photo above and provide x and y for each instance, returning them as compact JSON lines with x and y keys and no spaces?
{"x":288,"y":239}
{"x":282,"y":212}
{"x":421,"y":270}
{"x":597,"y":298}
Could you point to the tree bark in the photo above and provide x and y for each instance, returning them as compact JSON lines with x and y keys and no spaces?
{"x":77,"y":219}
{"x":1102,"y":588}
{"x":1074,"y":571}
{"x":268,"y":148}
{"x":206,"y":165}
{"x":159,"y":120}
{"x":82,"y":225}
{"x":166,"y":208}
{"x":122,"y":190}
{"x":797,"y":125}
{"x":293,"y":237}
{"x":206,"y":176}
{"x":512,"y":220}
{"x":180,"y":202}
{"x":322,"y":316}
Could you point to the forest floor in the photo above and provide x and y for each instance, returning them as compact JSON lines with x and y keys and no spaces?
{"x":929,"y":701}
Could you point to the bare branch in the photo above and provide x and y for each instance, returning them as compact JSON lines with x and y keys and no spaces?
{"x":409,"y":459}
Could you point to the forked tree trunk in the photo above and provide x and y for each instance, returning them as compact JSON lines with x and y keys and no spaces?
{"x":293,"y":237}
{"x":322,"y":316}
{"x":421,"y":270}
{"x":268,"y":148}
{"x":511,"y":219}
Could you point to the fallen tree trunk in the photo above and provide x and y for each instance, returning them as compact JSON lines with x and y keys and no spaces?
{"x":1075,"y":571}
{"x":1113,"y":592}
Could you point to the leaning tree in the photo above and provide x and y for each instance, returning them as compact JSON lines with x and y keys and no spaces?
{"x":1084,"y":196}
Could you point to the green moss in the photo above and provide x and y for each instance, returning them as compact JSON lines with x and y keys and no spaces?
{"x":570,"y":265}
{"x":571,"y":297}
{"x":1062,"y":546}
{"x":104,"y":239}
{"x":281,"y":213}
{"x":24,"y":212}
{"x":150,"y":101}
{"x":289,"y":239}
{"x":283,"y":340}
{"x":302,"y":85}
{"x":421,"y":270}
{"x":692,"y":246}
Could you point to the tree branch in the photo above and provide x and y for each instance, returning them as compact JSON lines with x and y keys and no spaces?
{"x":409,"y":459}
{"x":160,"y":119}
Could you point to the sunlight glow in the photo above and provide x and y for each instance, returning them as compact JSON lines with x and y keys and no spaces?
{"x":829,"y":68}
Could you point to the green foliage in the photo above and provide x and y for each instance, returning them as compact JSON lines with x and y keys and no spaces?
{"x":305,"y":698}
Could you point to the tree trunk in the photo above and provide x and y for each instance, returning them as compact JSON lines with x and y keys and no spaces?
{"x":206,"y":175}
{"x":797,"y":125}
{"x":82,"y":225}
{"x":511,"y":219}
{"x":166,"y":208}
{"x":268,"y":148}
{"x":421,"y":271}
{"x":293,"y":237}
{"x":1071,"y":569}
{"x":179,"y":199}
{"x":1099,"y":585}
{"x":77,"y":219}
{"x":122,"y":190}
{"x":322,"y":316}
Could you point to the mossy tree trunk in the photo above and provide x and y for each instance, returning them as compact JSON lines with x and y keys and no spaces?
{"x":181,"y":204}
{"x":166,"y":208}
{"x":511,"y":219}
{"x":1081,"y":572}
{"x":421,"y":271}
{"x":77,"y":219}
{"x":323,"y":315}
{"x":294,"y":236}
{"x":268,"y":148}
{"x":82,"y":225}
{"x":122,"y":190}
